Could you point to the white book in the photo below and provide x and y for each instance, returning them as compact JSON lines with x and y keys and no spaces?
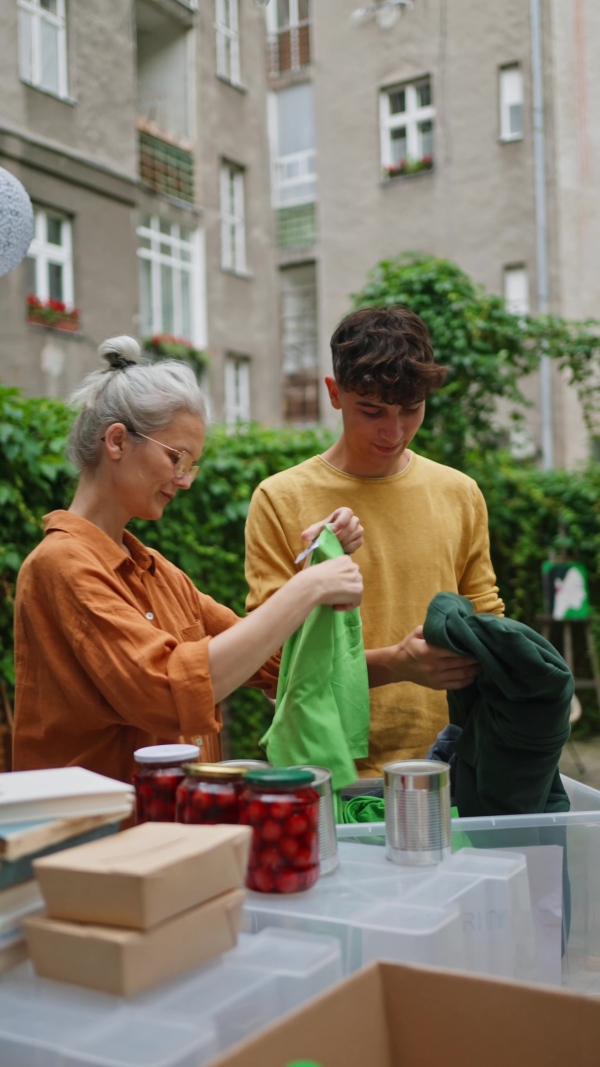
{"x":58,"y":792}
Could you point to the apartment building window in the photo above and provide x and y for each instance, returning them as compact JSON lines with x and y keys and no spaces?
{"x":511,"y":103}
{"x":288,"y":25}
{"x":233,"y":226}
{"x":168,"y":269}
{"x":49,"y":262}
{"x":407,"y":120}
{"x":237,"y":389}
{"x":299,"y":342}
{"x":516,"y":289}
{"x":43,"y":45}
{"x":228,"y":40}
{"x":294,"y":160}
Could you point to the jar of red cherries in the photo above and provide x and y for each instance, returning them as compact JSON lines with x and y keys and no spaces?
{"x":158,"y":772}
{"x":210,"y":793}
{"x":282,"y":807}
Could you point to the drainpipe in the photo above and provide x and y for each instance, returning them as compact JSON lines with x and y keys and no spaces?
{"x":541,"y":228}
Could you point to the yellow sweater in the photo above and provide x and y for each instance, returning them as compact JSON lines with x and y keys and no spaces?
{"x":426,"y":532}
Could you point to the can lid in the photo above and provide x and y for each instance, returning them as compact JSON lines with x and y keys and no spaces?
{"x":166,"y":753}
{"x":280,"y":776}
{"x":214,"y":770}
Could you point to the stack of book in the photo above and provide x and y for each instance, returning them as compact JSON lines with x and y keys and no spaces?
{"x":43,"y":812}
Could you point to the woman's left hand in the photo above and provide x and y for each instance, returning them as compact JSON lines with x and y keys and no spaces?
{"x":344,"y":524}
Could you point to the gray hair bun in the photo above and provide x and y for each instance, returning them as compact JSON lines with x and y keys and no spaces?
{"x":120,"y":352}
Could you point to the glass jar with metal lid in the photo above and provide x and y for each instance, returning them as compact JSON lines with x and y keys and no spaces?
{"x":158,"y":772}
{"x":282,"y":807}
{"x":210,"y":793}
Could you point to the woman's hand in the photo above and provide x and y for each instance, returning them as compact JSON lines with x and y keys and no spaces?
{"x":344,"y":524}
{"x":335,"y":581}
{"x":235,"y":654}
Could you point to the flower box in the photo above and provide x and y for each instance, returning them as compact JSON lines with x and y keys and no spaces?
{"x":52,"y":314}
{"x":408,"y":166}
{"x":166,"y":346}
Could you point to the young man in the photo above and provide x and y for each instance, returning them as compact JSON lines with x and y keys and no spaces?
{"x":425,"y":526}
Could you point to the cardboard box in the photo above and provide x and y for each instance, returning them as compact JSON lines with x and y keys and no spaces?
{"x":126,"y":961}
{"x":145,"y":875}
{"x":396,"y":1015}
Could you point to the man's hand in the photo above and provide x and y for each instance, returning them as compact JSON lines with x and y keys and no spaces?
{"x":435,"y":668}
{"x":414,"y":660}
{"x":345,"y":525}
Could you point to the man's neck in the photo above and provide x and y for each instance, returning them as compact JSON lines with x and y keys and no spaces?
{"x":341,"y":456}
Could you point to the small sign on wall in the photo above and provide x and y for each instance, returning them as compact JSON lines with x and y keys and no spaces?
{"x":566,"y":590}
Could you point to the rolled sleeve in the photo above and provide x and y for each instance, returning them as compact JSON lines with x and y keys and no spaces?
{"x":188,"y":672}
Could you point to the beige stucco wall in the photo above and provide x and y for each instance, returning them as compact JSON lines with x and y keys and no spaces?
{"x":232,"y":125}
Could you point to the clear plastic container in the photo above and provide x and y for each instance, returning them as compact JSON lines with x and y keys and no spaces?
{"x":282,"y":807}
{"x":210,"y":793}
{"x":159,"y":770}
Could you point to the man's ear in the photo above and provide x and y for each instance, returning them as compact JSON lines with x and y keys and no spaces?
{"x":334,"y":393}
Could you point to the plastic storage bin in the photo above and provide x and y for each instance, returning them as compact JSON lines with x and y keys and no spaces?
{"x":577,"y":833}
{"x":183,"y":1023}
{"x":378,"y":910}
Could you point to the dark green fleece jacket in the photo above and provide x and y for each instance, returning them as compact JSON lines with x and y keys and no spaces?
{"x":514,"y":717}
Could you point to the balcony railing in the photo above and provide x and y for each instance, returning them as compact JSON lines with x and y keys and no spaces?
{"x":295,"y":178}
{"x":165,"y":166}
{"x":289,"y":49}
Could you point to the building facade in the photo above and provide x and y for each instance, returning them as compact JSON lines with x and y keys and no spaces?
{"x":418,"y":135}
{"x":139,"y":130}
{"x":213,"y":171}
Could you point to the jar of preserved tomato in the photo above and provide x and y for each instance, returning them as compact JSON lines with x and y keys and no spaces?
{"x":158,"y":772}
{"x":282,"y":807}
{"x":210,"y":793}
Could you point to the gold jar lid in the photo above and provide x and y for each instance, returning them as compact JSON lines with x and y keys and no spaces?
{"x":215,"y":771}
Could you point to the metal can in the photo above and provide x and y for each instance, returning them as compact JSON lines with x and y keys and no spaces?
{"x":417,"y":812}
{"x":329,"y":858}
{"x":158,"y":772}
{"x":210,"y":793}
{"x":281,"y":806}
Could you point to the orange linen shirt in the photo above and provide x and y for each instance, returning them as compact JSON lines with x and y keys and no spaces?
{"x":111,"y":653}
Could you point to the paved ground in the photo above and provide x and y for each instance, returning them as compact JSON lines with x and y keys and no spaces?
{"x":588,"y":770}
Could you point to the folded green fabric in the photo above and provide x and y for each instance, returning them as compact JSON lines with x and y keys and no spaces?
{"x":322,"y":709}
{"x":364,"y":809}
{"x":514,"y":717}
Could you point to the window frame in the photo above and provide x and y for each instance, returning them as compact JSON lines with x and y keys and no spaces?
{"x":178,"y":266}
{"x":410,"y":119}
{"x":296,"y":169}
{"x":237,"y":412}
{"x":227,"y":38}
{"x":510,"y":270}
{"x":505,"y":103}
{"x":44,"y":253}
{"x":233,"y":223}
{"x":38,"y":15}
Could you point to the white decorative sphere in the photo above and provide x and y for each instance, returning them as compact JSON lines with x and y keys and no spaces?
{"x":16,"y":221}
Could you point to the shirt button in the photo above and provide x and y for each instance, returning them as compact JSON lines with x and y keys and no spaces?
{"x":149,"y":615}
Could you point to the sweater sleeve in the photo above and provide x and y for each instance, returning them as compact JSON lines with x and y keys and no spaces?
{"x":478,"y":580}
{"x":269,"y":555}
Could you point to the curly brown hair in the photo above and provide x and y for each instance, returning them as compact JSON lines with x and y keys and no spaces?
{"x":386,"y":352}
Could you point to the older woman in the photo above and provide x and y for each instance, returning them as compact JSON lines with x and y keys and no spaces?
{"x":115,"y":647}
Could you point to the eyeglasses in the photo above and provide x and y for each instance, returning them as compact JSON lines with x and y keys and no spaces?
{"x":184,"y":468}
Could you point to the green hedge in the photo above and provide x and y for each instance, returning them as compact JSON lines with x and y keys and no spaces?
{"x":532,"y":514}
